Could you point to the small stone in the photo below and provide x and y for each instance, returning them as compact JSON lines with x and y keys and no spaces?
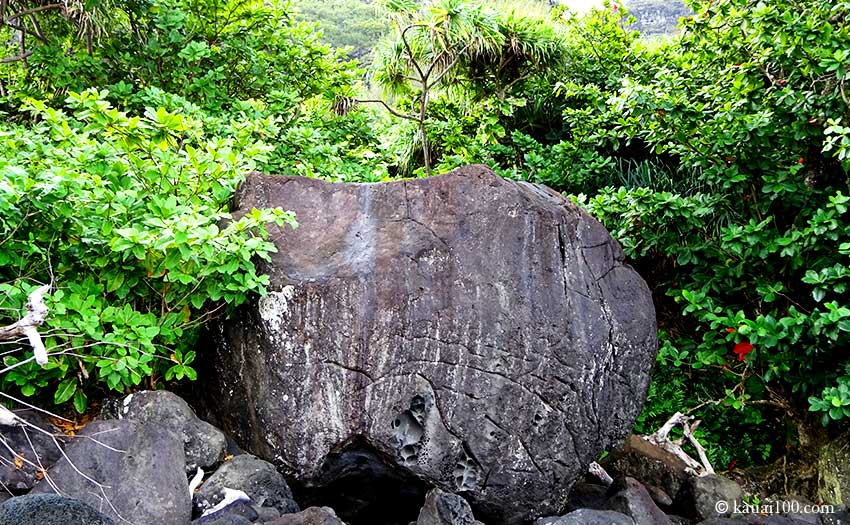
{"x":310,"y":516}
{"x":714,"y":496}
{"x":444,"y":508}
{"x":632,"y":499}
{"x":258,"y":479}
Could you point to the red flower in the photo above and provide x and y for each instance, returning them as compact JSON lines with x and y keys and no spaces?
{"x":802,"y":160}
{"x":615,"y":8}
{"x":742,"y":349}
{"x":732,"y":464}
{"x":730,"y":330}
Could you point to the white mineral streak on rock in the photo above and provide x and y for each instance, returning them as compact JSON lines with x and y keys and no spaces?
{"x":274,"y":308}
{"x":504,"y":297}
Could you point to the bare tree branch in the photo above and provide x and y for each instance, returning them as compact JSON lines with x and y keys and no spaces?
{"x":18,"y":58}
{"x":34,"y":10}
{"x":28,"y":326}
{"x":392,"y":110}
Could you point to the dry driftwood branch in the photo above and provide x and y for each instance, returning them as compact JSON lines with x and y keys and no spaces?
{"x":28,"y":326}
{"x":597,"y":470}
{"x":661,"y":439}
{"x":689,"y":434}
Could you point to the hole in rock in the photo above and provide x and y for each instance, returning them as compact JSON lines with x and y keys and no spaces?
{"x":364,"y":487}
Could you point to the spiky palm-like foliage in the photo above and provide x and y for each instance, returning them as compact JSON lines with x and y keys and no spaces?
{"x":462,"y":47}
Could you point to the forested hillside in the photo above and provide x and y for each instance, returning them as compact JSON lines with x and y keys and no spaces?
{"x":359,"y":24}
{"x":657,"y":17}
{"x":718,"y":158}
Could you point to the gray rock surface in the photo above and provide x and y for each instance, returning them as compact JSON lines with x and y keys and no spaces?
{"x":707,"y":491}
{"x":632,"y":499}
{"x":34,"y":446}
{"x":484,"y":334}
{"x":223,"y":519}
{"x":140,"y":468}
{"x":443,"y":508}
{"x":753,"y":519}
{"x":203,"y":444}
{"x":49,"y":509}
{"x":588,"y":517}
{"x":258,"y":479}
{"x":310,"y":516}
{"x":840,"y":517}
{"x":833,"y":471}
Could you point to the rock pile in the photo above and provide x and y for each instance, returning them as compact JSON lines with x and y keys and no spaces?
{"x":139,"y":469}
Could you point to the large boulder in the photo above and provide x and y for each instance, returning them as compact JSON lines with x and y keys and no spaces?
{"x":714,"y":496}
{"x":483,"y":335}
{"x":630,"y":497}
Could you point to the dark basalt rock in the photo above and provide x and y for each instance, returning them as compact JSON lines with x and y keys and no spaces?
{"x":588,"y":517}
{"x":631,"y":498}
{"x":663,"y":474}
{"x":311,"y":516}
{"x":236,"y":512}
{"x":203,"y":444}
{"x":483,"y":335}
{"x":140,"y":469}
{"x":706,"y":491}
{"x":49,"y":509}
{"x":258,"y":479}
{"x":37,"y":448}
{"x":442,"y":508}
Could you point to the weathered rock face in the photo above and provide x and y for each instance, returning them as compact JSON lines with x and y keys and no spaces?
{"x":834,"y":472}
{"x":483,"y":335}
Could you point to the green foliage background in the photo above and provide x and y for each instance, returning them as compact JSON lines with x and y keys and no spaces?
{"x":719,"y":158}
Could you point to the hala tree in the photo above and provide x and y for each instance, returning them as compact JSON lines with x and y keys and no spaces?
{"x":461,"y":49}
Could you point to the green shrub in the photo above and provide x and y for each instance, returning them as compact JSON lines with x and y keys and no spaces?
{"x":127,"y":215}
{"x":747,"y":248}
